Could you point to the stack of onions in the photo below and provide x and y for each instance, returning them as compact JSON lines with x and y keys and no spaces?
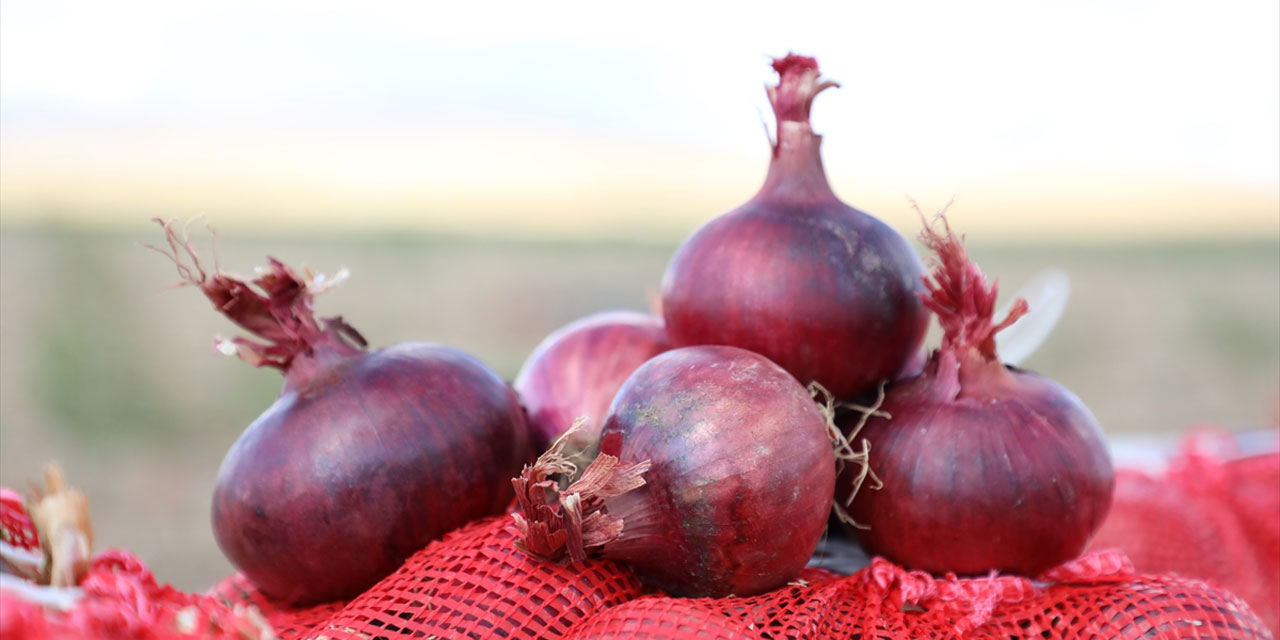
{"x":715,"y":470}
{"x":795,"y":286}
{"x":715,"y":467}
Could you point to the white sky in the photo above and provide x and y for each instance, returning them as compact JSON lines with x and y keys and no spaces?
{"x":292,"y":105}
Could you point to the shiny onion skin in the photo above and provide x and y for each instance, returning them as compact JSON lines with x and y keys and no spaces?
{"x":737,"y":477}
{"x":365,"y":456}
{"x":824,"y":290}
{"x":984,"y":466}
{"x":577,"y":369}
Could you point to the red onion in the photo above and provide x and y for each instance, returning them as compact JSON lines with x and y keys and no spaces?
{"x":576,"y":371}
{"x":824,"y":290}
{"x":715,"y":477}
{"x":364,"y":457}
{"x":984,"y":466}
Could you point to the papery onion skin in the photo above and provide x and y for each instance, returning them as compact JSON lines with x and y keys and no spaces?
{"x":824,"y":290}
{"x":577,"y":369}
{"x":741,"y":476}
{"x":984,"y":466}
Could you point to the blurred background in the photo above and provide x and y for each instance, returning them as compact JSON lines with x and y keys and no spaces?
{"x":491,"y":171}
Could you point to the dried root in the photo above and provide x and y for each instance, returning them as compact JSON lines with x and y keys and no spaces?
{"x":843,"y":444}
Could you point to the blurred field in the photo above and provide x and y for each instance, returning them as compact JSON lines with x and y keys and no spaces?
{"x":104,"y":369}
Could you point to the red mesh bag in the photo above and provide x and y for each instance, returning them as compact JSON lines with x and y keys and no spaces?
{"x":1256,"y":495}
{"x":796,"y":610}
{"x":1255,"y":484}
{"x":1142,"y":607}
{"x":474,"y":583}
{"x":287,"y":621}
{"x":1094,"y":597}
{"x":120,"y":599}
{"x":1205,"y":518}
{"x":1165,"y":529}
{"x":15,"y":526}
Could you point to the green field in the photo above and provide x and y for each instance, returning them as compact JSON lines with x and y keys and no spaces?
{"x":106,"y":370}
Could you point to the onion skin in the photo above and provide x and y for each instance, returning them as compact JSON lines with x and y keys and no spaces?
{"x":984,"y":466}
{"x":826,"y":291}
{"x":349,"y":473}
{"x":577,"y":369}
{"x":741,"y":472}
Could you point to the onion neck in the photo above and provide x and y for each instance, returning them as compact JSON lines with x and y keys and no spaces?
{"x":984,"y":377}
{"x":955,"y":372}
{"x":796,"y":172}
{"x":308,"y":366}
{"x":647,"y":529}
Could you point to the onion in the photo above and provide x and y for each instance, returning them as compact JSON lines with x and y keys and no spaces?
{"x":984,"y":466}
{"x":715,"y":477}
{"x":577,"y":370}
{"x":364,"y":457}
{"x":824,"y":290}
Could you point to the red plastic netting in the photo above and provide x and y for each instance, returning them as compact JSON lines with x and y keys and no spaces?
{"x":475,"y":584}
{"x":1206,"y":517}
{"x":15,"y":527}
{"x":286,"y":621}
{"x":120,"y":599}
{"x":1093,"y":597}
{"x":796,"y":610}
{"x":1256,"y":496}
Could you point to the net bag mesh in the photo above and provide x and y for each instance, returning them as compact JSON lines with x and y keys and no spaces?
{"x":475,"y":583}
{"x":15,"y":527}
{"x":121,"y":599}
{"x":796,"y":610}
{"x":1097,"y":596}
{"x":285,"y":620}
{"x":1205,"y":517}
{"x":1256,"y":495}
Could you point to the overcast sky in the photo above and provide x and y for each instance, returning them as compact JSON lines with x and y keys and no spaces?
{"x":1110,"y":117}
